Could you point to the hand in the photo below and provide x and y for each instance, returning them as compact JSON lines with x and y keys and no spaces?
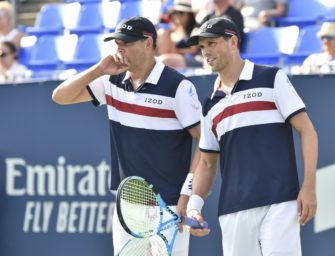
{"x":181,"y":208}
{"x":194,"y":214}
{"x":306,"y":204}
{"x":113,"y":64}
{"x":263,"y":16}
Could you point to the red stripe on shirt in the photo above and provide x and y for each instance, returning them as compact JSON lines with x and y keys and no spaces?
{"x":240,"y":108}
{"x":139,"y":110}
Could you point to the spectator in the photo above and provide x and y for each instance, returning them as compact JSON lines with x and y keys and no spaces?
{"x":325,"y":60}
{"x":7,"y":30}
{"x":257,"y":13}
{"x":201,"y":8}
{"x":223,"y":8}
{"x":171,"y":43}
{"x":10,"y":69}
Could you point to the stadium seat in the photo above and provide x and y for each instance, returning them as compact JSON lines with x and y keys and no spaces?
{"x":306,"y":12}
{"x":87,"y":53}
{"x":246,"y":42}
{"x":49,"y":20}
{"x":49,"y":51}
{"x":110,"y":13}
{"x":89,"y":20}
{"x":267,"y":44}
{"x":26,"y":44}
{"x":53,"y":18}
{"x":307,"y":43}
{"x":145,"y":8}
{"x":82,"y":1}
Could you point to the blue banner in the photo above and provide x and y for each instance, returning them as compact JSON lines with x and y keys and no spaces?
{"x":55,"y":174}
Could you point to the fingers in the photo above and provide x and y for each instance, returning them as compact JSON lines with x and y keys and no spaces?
{"x":120,"y":60}
{"x":303,"y":215}
{"x":182,"y":212}
{"x":180,"y":227}
{"x":306,"y":212}
{"x":194,"y":214}
{"x":199,"y":232}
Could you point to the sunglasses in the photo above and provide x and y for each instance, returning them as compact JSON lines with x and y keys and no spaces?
{"x":328,"y":38}
{"x":177,"y":13}
{"x":4,"y":54}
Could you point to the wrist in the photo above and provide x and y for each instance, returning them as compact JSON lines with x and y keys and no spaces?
{"x":195,"y":203}
{"x":187,"y":186}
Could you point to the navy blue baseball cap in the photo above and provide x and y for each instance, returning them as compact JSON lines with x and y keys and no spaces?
{"x":215,"y":27}
{"x":133,"y":29}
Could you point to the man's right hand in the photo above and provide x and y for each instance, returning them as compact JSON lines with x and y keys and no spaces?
{"x":113,"y":64}
{"x":194,"y":214}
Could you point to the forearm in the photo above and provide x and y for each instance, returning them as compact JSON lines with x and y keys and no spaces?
{"x":73,"y":90}
{"x":204,"y":177}
{"x":277,"y":12}
{"x":195,"y":159}
{"x":309,"y":148}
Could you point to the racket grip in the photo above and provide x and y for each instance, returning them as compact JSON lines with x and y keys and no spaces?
{"x":193,"y":223}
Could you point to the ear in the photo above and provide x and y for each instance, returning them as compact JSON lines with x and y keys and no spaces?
{"x":149,"y":42}
{"x":234,"y":43}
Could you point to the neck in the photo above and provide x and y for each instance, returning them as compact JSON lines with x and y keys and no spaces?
{"x":139,"y":74}
{"x":230,"y":75}
{"x":221,"y":8}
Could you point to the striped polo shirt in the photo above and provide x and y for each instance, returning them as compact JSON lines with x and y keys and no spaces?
{"x":148,"y":127}
{"x":250,"y":129}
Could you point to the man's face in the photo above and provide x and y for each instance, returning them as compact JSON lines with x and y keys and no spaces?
{"x":134,"y":52}
{"x":7,"y":57}
{"x":216,"y":52}
{"x":328,"y":44}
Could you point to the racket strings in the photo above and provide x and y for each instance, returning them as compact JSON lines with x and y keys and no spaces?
{"x":140,"y":208}
{"x":149,"y":246}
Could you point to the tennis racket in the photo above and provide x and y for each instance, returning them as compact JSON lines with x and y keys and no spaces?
{"x":155,"y":245}
{"x":144,"y":215}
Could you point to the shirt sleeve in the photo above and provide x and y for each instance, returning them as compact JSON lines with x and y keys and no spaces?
{"x":187,"y":105}
{"x":208,"y":141}
{"x":286,"y":98}
{"x":97,"y":90}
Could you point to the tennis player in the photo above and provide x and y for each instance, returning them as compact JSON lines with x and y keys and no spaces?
{"x":247,"y":123}
{"x":154,"y":113}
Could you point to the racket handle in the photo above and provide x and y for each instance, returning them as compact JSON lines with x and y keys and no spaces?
{"x":193,"y":223}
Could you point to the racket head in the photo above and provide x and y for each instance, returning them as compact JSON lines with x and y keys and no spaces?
{"x":138,"y":207}
{"x":147,"y":246}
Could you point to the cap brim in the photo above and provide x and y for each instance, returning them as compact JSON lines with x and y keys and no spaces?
{"x":194,"y":40}
{"x":180,"y":9}
{"x":324,"y":33}
{"x":123,"y":37}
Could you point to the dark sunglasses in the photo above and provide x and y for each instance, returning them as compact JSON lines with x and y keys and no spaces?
{"x":178,"y":13}
{"x":4,"y":54}
{"x":328,"y":38}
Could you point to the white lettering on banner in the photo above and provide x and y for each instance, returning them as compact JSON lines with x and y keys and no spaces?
{"x":61,"y":180}
{"x":79,"y":217}
{"x":12,"y":175}
{"x":37,"y":216}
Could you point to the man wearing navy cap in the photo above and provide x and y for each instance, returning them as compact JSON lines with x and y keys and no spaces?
{"x":154,"y":113}
{"x":247,"y":124}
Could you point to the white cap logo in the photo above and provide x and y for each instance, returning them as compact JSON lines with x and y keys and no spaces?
{"x":206,"y":27}
{"x":128,"y":27}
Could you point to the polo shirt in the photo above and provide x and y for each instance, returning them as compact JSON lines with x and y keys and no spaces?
{"x":250,"y":129}
{"x":148,"y":127}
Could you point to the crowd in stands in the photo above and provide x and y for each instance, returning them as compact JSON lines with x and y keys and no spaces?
{"x":324,"y":61}
{"x":177,"y":21}
{"x":10,"y":38}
